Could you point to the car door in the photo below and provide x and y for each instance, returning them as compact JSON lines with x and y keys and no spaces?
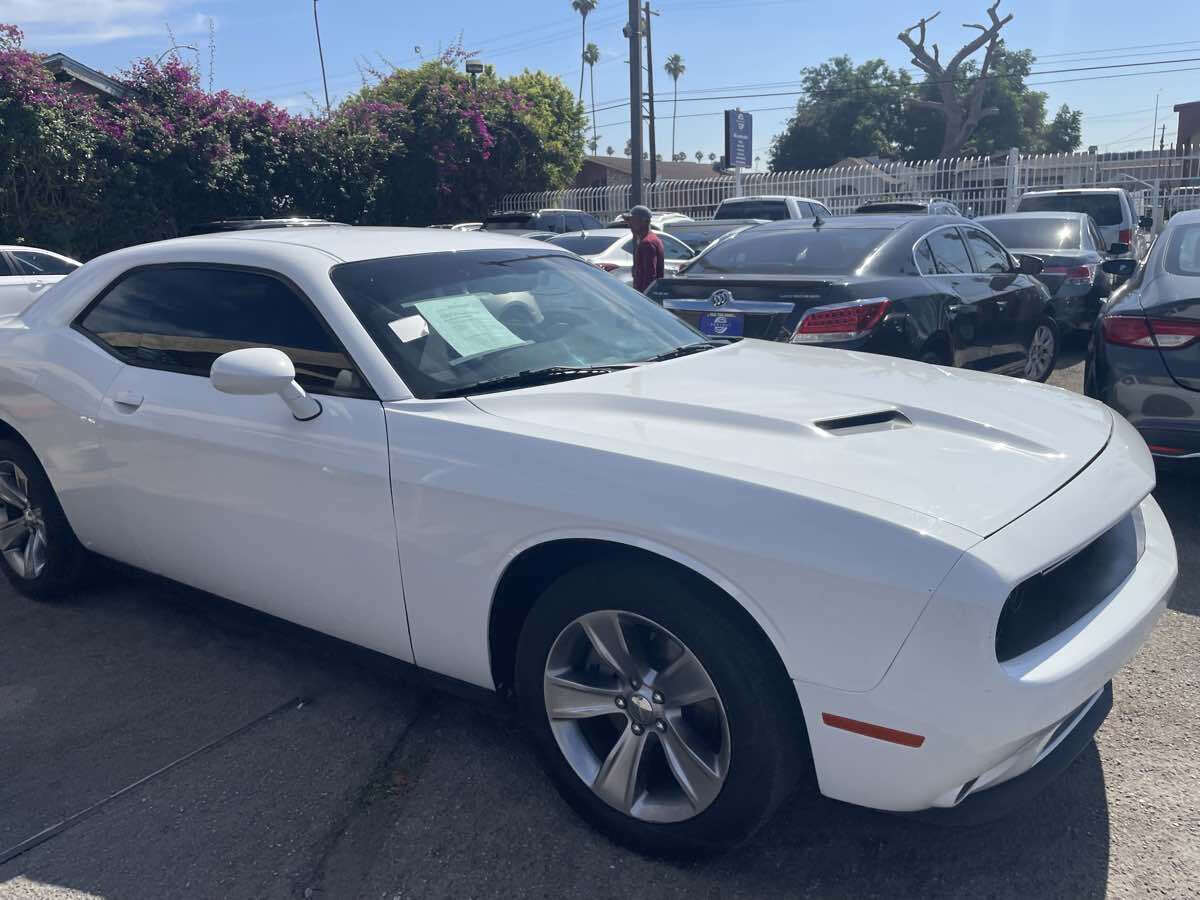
{"x":232,"y":494}
{"x":1015,"y":297}
{"x":19,"y":284}
{"x":971,"y":310}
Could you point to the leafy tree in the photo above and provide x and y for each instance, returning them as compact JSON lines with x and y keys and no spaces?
{"x":1065,"y":133}
{"x":675,"y":67}
{"x":846,"y":110}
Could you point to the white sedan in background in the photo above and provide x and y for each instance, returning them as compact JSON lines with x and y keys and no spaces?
{"x":25,"y":272}
{"x":700,"y":570}
{"x":612,"y":250}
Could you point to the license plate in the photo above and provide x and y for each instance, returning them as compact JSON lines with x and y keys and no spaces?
{"x":720,"y":324}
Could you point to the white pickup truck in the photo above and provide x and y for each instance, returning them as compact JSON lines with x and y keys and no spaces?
{"x":773,"y":208}
{"x":25,"y":272}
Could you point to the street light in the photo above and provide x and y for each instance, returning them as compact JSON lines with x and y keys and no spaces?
{"x":474,"y":69}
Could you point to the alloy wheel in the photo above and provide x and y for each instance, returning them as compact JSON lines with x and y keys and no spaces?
{"x":22,"y":525}
{"x":1041,"y":353}
{"x":637,"y":716}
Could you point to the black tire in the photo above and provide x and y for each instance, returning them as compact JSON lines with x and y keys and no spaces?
{"x":768,"y":746}
{"x":1046,"y":361}
{"x":64,"y":557}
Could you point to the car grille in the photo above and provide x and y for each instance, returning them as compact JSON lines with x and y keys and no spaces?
{"x":1052,"y":601}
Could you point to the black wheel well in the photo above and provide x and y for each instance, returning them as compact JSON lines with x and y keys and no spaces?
{"x":939,"y":343}
{"x":528,"y":576}
{"x":8,"y":433}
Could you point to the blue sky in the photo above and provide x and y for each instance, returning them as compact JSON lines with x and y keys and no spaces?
{"x":266,"y":49}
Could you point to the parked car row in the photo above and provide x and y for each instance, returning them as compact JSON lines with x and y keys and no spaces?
{"x":27,"y":271}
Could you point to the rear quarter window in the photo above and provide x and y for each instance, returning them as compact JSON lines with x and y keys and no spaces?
{"x":775,"y":210}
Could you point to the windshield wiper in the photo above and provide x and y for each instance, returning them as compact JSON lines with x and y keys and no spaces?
{"x":532,"y":377}
{"x":685,"y":350}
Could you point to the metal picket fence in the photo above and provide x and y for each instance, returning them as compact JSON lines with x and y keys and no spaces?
{"x":1161,"y":182}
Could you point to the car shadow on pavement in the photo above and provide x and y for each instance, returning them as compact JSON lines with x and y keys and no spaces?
{"x":1178,"y":493}
{"x":376,"y":786}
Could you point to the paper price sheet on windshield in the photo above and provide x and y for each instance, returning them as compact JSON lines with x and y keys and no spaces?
{"x":467,"y":325}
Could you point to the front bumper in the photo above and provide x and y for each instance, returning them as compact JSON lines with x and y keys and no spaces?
{"x":983,"y":722}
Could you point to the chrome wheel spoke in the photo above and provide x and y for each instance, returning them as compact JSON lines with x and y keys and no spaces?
{"x":616,"y":782}
{"x":35,"y":553}
{"x":12,"y":493}
{"x":684,"y":681}
{"x":604,"y":631}
{"x":11,"y":532}
{"x":696,"y":770}
{"x":569,"y":698}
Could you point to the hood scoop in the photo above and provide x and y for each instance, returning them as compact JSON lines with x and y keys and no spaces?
{"x":863,"y":423}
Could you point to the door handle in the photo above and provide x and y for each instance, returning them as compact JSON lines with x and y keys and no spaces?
{"x":1001,"y":304}
{"x":131,"y":400}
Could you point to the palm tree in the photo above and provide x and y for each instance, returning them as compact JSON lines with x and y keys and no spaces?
{"x":609,"y":150}
{"x":593,"y":145}
{"x":591,"y":56}
{"x":675,"y":68}
{"x":583,"y":7}
{"x":699,"y":156}
{"x":712,"y":157}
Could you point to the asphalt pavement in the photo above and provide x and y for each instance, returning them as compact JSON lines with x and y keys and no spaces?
{"x":158,"y":742}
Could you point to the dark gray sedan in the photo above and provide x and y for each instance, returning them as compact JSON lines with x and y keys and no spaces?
{"x":1073,"y":253}
{"x":1144,"y":357}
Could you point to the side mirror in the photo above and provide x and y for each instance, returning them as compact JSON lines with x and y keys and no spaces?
{"x":1030,"y":265}
{"x":1146,"y":222}
{"x":1118,"y":249}
{"x":256,"y":371}
{"x":1122,"y":268}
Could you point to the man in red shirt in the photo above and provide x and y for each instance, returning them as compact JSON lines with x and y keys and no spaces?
{"x":648,"y":253}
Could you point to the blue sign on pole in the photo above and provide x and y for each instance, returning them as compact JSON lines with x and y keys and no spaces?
{"x":739,"y":139}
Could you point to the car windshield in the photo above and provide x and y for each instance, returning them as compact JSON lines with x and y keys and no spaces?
{"x":1104,"y":208}
{"x":769,"y":251}
{"x":584,"y":244}
{"x":1041,"y":234}
{"x":753,"y":209}
{"x":450,"y":321}
{"x":1183,"y":255}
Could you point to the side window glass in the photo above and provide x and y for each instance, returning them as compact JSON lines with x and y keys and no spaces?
{"x":575,"y":222}
{"x":30,"y":262}
{"x":181,"y":319}
{"x":989,"y":256}
{"x":673,"y":249}
{"x":4,"y":269}
{"x":628,"y":246}
{"x":924,"y":257}
{"x":590,"y":222}
{"x":949,"y":253}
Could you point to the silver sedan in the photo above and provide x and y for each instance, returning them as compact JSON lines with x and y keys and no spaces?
{"x":612,"y":250}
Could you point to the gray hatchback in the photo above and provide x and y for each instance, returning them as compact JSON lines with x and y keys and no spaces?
{"x":1144,"y":356}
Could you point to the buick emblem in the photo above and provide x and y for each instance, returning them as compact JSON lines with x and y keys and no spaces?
{"x":720,"y":298}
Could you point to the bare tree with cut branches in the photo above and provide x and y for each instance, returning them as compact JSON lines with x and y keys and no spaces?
{"x":961,"y":113}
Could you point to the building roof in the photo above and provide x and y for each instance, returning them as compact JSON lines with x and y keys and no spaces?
{"x":60,"y":63}
{"x":666,"y":170}
{"x":1180,"y":107}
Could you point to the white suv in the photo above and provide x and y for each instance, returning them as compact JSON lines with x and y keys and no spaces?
{"x":1111,"y":208}
{"x":773,"y":208}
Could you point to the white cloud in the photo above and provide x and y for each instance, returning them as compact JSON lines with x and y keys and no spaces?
{"x":78,"y":22}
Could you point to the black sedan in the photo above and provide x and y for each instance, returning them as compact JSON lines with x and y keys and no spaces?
{"x":1073,"y":253}
{"x":934,"y":288}
{"x":1144,"y":357}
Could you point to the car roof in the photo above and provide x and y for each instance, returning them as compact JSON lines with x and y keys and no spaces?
{"x":1035,"y":214}
{"x":751,"y":197}
{"x":1185,"y":217}
{"x":613,"y":233}
{"x":1080,"y":190}
{"x":350,"y":243}
{"x":890,"y":221}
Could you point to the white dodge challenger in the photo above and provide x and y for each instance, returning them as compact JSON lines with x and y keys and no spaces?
{"x":702,"y":571}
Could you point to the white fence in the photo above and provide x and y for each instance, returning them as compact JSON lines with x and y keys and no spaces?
{"x":1159,"y":180}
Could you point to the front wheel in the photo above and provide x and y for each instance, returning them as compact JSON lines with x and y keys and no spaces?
{"x":1043,"y":351}
{"x":661,"y":716}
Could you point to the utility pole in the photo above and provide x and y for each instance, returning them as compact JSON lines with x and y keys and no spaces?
{"x":321,"y":53}
{"x":650,"y":93}
{"x":633,"y":31}
{"x":1156,"y":96}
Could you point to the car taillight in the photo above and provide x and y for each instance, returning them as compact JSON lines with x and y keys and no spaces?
{"x":1125,"y":236}
{"x":607,"y":267}
{"x":1072,"y":273}
{"x":843,"y":322}
{"x":1138,"y":331}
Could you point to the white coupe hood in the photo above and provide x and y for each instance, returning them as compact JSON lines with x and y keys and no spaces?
{"x":971,"y":449}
